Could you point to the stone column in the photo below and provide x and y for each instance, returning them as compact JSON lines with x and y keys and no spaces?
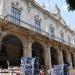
{"x":27,"y":48}
{"x":73,"y":58}
{"x":69,"y":58}
{"x":60,"y":56}
{"x":47,"y":56}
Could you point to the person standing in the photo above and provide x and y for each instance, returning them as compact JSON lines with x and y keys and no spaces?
{"x":66,"y":69}
{"x":42,"y":72}
{"x":47,"y":70}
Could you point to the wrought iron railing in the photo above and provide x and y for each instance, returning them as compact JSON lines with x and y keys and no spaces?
{"x":31,"y":27}
{"x":22,"y":23}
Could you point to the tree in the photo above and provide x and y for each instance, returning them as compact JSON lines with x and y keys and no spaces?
{"x":71,"y":4}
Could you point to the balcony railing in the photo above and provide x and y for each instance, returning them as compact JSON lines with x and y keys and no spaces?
{"x":21,"y":23}
{"x":61,"y":40}
{"x":31,"y":27}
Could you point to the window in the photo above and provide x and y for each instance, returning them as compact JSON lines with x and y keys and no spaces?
{"x":62,"y":36}
{"x":37,"y":23}
{"x":15,"y":14}
{"x":51,"y":31}
{"x":74,"y":40}
{"x":69,"y":39}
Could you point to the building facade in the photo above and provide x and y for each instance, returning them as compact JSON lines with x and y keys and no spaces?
{"x":28,"y":29}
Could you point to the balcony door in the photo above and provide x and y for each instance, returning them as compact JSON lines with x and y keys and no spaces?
{"x":52,"y":31}
{"x":15,"y":15}
{"x":37,"y":23}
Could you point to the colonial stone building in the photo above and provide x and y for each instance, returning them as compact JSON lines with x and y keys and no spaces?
{"x":28,"y":29}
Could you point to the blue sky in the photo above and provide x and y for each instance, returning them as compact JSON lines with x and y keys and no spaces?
{"x":68,"y":16}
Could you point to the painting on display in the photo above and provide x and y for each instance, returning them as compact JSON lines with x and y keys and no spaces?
{"x":26,"y":65}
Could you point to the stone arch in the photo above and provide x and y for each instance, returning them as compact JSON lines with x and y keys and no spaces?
{"x":12,"y":50}
{"x":40,"y":42}
{"x":38,"y":51}
{"x":54,"y":56}
{"x":11,"y":33}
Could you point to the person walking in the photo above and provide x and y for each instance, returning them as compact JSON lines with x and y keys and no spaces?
{"x":66,"y":69}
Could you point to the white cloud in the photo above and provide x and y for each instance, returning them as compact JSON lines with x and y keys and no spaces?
{"x":65,"y":7}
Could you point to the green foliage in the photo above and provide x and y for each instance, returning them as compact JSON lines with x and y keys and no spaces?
{"x":71,"y":4}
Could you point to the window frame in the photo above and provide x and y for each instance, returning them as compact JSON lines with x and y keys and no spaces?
{"x":62,"y":36}
{"x":16,"y":15}
{"x":37,"y":23}
{"x":52,"y":31}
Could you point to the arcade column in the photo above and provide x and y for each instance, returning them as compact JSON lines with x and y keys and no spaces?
{"x":60,"y":55}
{"x":27,"y":51}
{"x":47,"y":56}
{"x":73,"y":59}
{"x":69,"y":58}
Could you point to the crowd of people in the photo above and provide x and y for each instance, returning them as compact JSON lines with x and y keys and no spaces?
{"x":45,"y":70}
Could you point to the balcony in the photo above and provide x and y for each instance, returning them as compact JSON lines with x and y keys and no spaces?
{"x":24,"y":24}
{"x":61,"y":40}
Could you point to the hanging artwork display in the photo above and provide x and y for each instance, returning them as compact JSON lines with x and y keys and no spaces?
{"x":29,"y":66}
{"x":36,"y":66}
